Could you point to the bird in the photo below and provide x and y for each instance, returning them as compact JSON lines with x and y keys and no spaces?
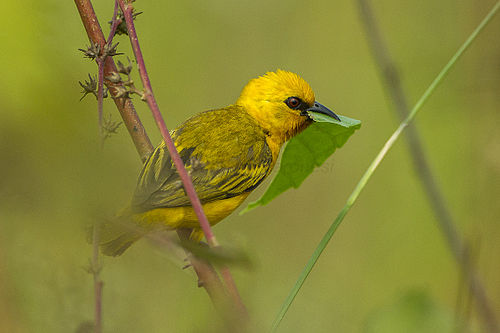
{"x":228,"y":152}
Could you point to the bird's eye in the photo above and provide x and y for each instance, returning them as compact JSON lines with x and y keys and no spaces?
{"x":293,"y":102}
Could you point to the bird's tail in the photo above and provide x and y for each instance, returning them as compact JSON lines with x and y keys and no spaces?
{"x":116,"y":235}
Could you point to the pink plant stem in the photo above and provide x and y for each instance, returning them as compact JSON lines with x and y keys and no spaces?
{"x":100,"y":93}
{"x":207,"y":275}
{"x":114,"y":24}
{"x":150,"y":99}
{"x":127,"y":10}
{"x":233,"y":291}
{"x":96,"y":271}
{"x":124,"y":105}
{"x":100,"y":63}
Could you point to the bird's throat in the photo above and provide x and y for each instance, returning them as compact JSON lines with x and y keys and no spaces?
{"x":276,"y":137}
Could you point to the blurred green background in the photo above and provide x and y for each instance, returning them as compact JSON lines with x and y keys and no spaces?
{"x":387,"y":264}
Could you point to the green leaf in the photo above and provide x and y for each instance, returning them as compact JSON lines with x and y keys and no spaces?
{"x":307,"y":151}
{"x":323,"y":118}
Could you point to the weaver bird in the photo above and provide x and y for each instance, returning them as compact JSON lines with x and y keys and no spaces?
{"x":228,"y":152}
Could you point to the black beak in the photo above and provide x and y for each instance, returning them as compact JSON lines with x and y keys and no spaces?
{"x":320,"y":108}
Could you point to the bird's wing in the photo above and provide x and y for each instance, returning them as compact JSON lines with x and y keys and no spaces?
{"x":225,"y":154}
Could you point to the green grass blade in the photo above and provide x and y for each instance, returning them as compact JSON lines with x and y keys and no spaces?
{"x":373,"y":166}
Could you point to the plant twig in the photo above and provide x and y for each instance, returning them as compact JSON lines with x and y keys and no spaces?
{"x":233,"y":292}
{"x":98,"y":284}
{"x":436,"y":200}
{"x":100,"y":63}
{"x":100,"y":94}
{"x":127,"y":10}
{"x":124,"y":105}
{"x":464,"y":297}
{"x":115,"y":21}
{"x":148,"y":96}
{"x":374,"y":165}
{"x":208,"y":277}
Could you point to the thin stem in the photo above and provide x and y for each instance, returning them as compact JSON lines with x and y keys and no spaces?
{"x":231,"y":309}
{"x":124,"y":105}
{"x":100,"y":95}
{"x":100,"y":63}
{"x":210,"y":281}
{"x":96,"y":271}
{"x":127,"y":10}
{"x":208,"y":277}
{"x":464,"y":296}
{"x":435,"y":198}
{"x":373,"y":166}
{"x":233,"y":292}
{"x":115,"y":21}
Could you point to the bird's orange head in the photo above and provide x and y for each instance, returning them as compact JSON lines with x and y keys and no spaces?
{"x":279,"y":101}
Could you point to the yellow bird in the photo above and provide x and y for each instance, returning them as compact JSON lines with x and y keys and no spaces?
{"x":228,"y":152}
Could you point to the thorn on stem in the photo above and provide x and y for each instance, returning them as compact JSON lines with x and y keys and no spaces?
{"x":110,"y":50}
{"x":89,"y":87}
{"x":93,"y":51}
